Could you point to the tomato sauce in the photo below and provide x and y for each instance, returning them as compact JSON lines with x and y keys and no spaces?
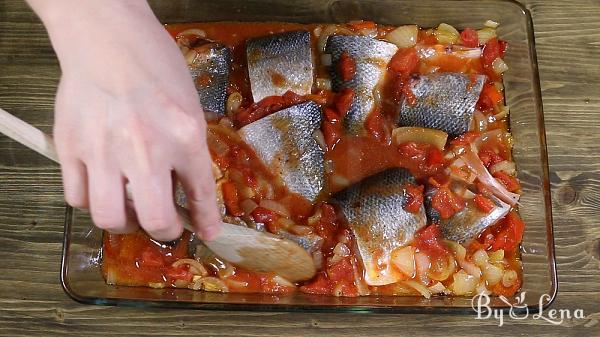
{"x":250,"y":192}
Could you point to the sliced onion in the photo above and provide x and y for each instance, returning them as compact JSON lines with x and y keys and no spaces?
{"x":419,"y":287}
{"x":195,"y":266}
{"x":466,"y":53}
{"x":509,"y":278}
{"x":464,"y":284}
{"x":480,"y":258}
{"x":323,"y":83}
{"x":470,"y":268}
{"x":235,"y":284}
{"x":234,"y":101}
{"x":157,"y":285}
{"x":437,"y":288}
{"x":326,"y":60}
{"x":491,"y":24}
{"x":341,"y":250}
{"x":486,"y":34}
{"x":211,"y":284}
{"x":320,"y":139}
{"x":422,"y":264}
{"x":499,"y":66}
{"x":446,"y":34}
{"x":482,"y":289}
{"x":506,"y":166}
{"x":503,"y":112}
{"x":275,"y":207}
{"x":492,"y":274}
{"x":403,"y":36}
{"x":111,"y":275}
{"x":475,"y":164}
{"x":441,"y":269}
{"x":459,"y":250}
{"x":190,"y":56}
{"x":282,"y":281}
{"x":248,"y":206}
{"x":370,"y":32}
{"x":497,"y":256}
{"x":301,"y":230}
{"x":479,"y":121}
{"x":328,"y":31}
{"x":436,"y":138}
{"x":404,"y":259}
{"x":192,"y":31}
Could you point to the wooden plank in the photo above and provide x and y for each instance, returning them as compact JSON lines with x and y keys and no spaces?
{"x":31,"y":205}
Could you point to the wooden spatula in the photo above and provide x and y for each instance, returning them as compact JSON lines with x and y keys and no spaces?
{"x":245,"y":247}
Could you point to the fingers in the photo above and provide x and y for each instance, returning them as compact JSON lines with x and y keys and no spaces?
{"x":199,"y":185}
{"x":74,"y":177}
{"x":153,"y":199}
{"x":107,"y":200}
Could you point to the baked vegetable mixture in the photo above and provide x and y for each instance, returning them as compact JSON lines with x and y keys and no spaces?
{"x":384,"y":151}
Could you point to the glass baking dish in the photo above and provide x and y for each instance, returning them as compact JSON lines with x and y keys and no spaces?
{"x":81,"y":276}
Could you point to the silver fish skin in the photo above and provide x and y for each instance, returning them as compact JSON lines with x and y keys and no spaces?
{"x":279,"y":63}
{"x":468,"y":223}
{"x":444,"y":101}
{"x":371,"y":57}
{"x":374,"y":209}
{"x":285,"y":142}
{"x":210,"y":71}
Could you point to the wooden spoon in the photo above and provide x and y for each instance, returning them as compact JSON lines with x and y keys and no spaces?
{"x":245,"y":247}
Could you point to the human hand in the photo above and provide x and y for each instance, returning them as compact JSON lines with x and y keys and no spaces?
{"x":127,"y":112}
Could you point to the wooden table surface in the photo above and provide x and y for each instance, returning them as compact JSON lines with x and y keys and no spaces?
{"x":32,"y":208}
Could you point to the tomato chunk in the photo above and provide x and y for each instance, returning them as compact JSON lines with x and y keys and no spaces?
{"x":319,"y":285}
{"x":151,"y":258}
{"x":446,"y":202}
{"x":491,"y":51}
{"x":468,"y":38}
{"x":429,"y":239}
{"x":511,"y":234}
{"x":405,"y":61}
{"x":179,"y":273}
{"x":343,"y":101}
{"x":346,"y":66}
{"x":414,"y":200}
{"x":484,"y":204}
{"x":510,"y":182}
{"x":231,"y":199}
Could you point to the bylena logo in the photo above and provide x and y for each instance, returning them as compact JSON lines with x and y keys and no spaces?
{"x":518,"y":310}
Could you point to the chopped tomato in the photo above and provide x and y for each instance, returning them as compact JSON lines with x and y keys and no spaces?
{"x":151,"y":258}
{"x":491,"y":51}
{"x":341,"y":271}
{"x":413,"y":150}
{"x":179,"y":273}
{"x":426,"y":37}
{"x":489,"y":157}
{"x":374,"y":124}
{"x":510,"y":182}
{"x":343,"y":101}
{"x":429,"y":240}
{"x":266,"y":106}
{"x":358,"y":25}
{"x":332,"y":133}
{"x":484,"y":204}
{"x":435,"y":157}
{"x":405,"y":61}
{"x":503,"y":47}
{"x":511,"y":234}
{"x":327,"y":227}
{"x":490,"y":97}
{"x":446,"y":202}
{"x":231,"y":199}
{"x":319,"y":285}
{"x":346,"y":66}
{"x":468,"y":38}
{"x":414,"y":199}
{"x":264,"y":215}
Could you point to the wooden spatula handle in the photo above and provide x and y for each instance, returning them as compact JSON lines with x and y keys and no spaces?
{"x":43,"y":144}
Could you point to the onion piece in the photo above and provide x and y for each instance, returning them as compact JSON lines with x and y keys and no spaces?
{"x":486,"y":34}
{"x":491,"y":24}
{"x":482,"y":289}
{"x":505,"y":166}
{"x":211,"y":284}
{"x":497,"y":256}
{"x":341,"y":250}
{"x":442,"y":269}
{"x":464,"y":284}
{"x":320,"y":139}
{"x":436,"y":138}
{"x":499,"y":66}
{"x":198,"y":267}
{"x":403,"y":36}
{"x":480,"y":257}
{"x":438,"y":288}
{"x":479,"y":121}
{"x":282,"y":281}
{"x":502,"y":112}
{"x":275,"y":207}
{"x":234,"y":101}
{"x":492,"y":274}
{"x":446,"y":34}
{"x":248,"y":205}
{"x":192,"y":31}
{"x":422,"y":264}
{"x":404,"y":259}
{"x":301,"y":230}
{"x":475,"y":164}
{"x":323,"y":83}
{"x":509,"y":278}
{"x":419,"y":287}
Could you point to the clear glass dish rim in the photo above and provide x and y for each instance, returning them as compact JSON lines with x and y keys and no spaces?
{"x":553,"y":291}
